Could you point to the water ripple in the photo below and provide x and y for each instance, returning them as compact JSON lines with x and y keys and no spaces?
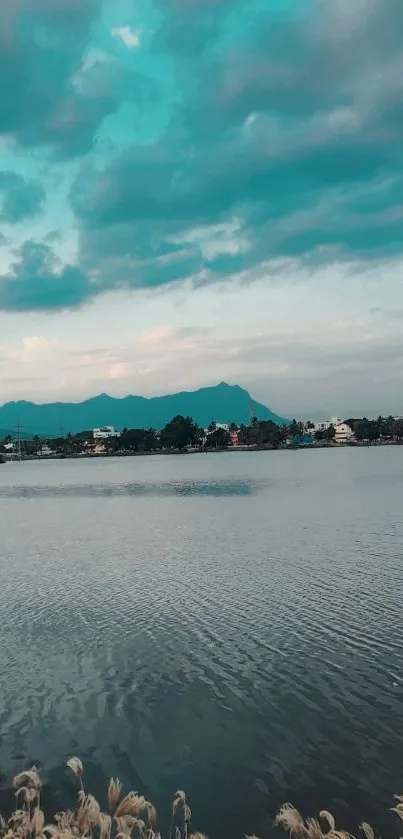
{"x":249,"y":640}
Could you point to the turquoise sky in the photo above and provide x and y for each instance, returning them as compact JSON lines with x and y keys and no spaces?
{"x":198,"y":190}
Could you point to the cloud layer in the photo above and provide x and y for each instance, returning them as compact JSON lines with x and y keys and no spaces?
{"x":195,"y":140}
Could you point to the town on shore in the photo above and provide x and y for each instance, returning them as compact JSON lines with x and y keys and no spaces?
{"x":182,"y":434}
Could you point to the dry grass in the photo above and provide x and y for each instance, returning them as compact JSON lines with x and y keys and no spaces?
{"x":324,"y":827}
{"x":131,"y":816}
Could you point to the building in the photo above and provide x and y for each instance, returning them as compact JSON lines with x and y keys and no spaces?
{"x":344,"y":433}
{"x":221,"y":426}
{"x":215,"y":426}
{"x":45,"y":451}
{"x":323,"y":426}
{"x":99,"y":448}
{"x":105,"y":432}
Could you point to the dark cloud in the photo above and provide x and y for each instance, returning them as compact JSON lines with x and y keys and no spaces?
{"x":19,"y":198}
{"x":190,"y":27}
{"x":36,"y":280}
{"x":286,"y":127}
{"x":42,"y":46}
{"x":294,"y":127}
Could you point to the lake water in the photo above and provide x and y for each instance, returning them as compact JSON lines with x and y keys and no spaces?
{"x":228,"y":623}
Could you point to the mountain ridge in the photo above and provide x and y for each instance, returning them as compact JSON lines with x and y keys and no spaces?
{"x":223,"y":402}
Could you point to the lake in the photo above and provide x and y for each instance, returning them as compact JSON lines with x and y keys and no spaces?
{"x":230,"y":624}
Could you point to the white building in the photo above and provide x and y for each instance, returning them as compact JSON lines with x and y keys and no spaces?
{"x":344,"y":433}
{"x":323,"y":426}
{"x":105,"y":432}
{"x":45,"y":451}
{"x":217,"y":425}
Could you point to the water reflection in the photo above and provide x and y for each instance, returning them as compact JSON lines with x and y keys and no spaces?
{"x":166,"y":488}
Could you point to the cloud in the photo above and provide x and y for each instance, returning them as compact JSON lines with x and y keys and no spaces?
{"x":118,"y":371}
{"x":46,"y":42}
{"x":292,"y":365}
{"x":128,"y":36}
{"x":38,"y":343}
{"x":284,"y":126}
{"x":239,"y":135}
{"x":20,"y":198}
{"x":33,"y":346}
{"x":157,"y":336}
{"x":37,"y":280}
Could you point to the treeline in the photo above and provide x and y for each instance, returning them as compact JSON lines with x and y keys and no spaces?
{"x":178,"y":434}
{"x":182,"y":433}
{"x":383,"y":428}
{"x":263,"y":433}
{"x":365,"y":430}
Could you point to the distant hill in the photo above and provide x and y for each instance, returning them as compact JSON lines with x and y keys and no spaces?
{"x":223,"y":403}
{"x":12,"y":432}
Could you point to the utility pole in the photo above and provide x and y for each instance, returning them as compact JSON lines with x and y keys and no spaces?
{"x":19,"y":447}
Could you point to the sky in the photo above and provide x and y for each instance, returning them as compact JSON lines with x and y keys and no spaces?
{"x":194,"y":191}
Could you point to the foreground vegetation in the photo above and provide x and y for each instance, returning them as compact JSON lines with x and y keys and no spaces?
{"x":124,"y":816}
{"x":131,"y":815}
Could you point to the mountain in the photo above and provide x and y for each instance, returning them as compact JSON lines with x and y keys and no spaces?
{"x":223,"y":403}
{"x":4,"y":432}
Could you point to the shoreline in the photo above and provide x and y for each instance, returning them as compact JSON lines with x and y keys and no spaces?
{"x":229,"y":449}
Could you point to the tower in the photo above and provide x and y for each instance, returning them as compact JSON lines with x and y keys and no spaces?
{"x":18,"y":430}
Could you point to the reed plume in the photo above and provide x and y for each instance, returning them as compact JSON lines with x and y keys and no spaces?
{"x":367,"y":830}
{"x":30,"y":778}
{"x":76,"y":766}
{"x":130,"y":805}
{"x":114,"y":791}
{"x":134,"y":817}
{"x":291,"y":820}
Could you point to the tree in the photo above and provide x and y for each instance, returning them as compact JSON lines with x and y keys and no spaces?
{"x":295,"y":429}
{"x":325,"y":433}
{"x":180,"y":432}
{"x":386,"y":427}
{"x":262,"y":433}
{"x":37,"y":445}
{"x":365,"y":429}
{"x":218,"y":439}
{"x":398,"y":429}
{"x":138,"y":439}
{"x":111,"y":444}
